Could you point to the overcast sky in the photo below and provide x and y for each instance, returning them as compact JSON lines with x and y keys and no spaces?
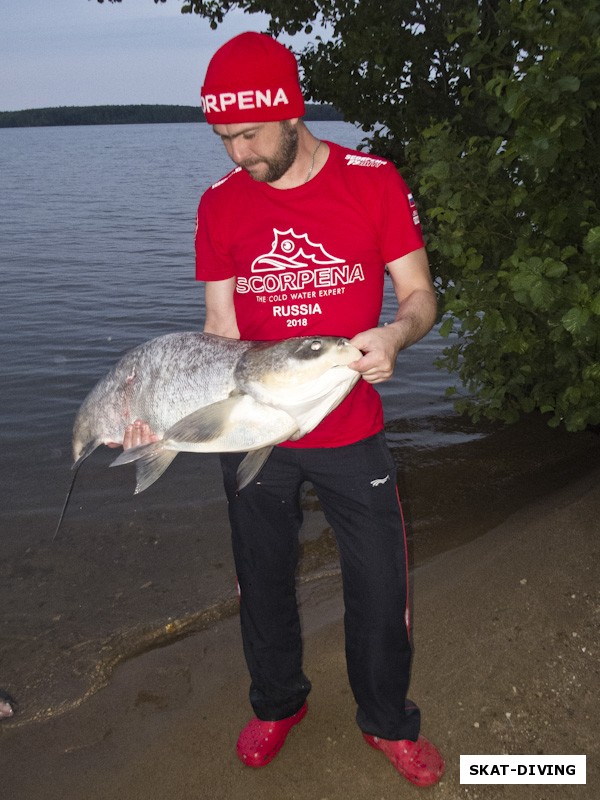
{"x":81,"y":52}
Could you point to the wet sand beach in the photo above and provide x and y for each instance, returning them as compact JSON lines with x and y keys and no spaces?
{"x":128,"y":574}
{"x":506,"y":661}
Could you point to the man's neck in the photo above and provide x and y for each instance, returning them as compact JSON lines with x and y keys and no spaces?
{"x":312,"y":155}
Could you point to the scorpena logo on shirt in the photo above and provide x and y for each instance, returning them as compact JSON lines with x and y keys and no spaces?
{"x":297,"y":269}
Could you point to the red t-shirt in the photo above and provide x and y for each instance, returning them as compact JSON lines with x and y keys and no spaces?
{"x":311,"y":261}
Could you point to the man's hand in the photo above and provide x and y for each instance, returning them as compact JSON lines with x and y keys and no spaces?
{"x":380,"y":347}
{"x":139,"y":432}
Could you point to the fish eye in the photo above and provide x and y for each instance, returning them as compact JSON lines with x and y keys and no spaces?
{"x":315,"y":344}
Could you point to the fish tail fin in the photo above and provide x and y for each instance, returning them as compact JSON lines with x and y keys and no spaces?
{"x":251,"y":465}
{"x":151,"y":461}
{"x":87,"y":451}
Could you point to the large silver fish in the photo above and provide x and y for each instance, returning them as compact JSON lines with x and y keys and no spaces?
{"x":204,"y":393}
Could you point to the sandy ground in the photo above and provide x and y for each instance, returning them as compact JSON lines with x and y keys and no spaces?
{"x":507,"y":648}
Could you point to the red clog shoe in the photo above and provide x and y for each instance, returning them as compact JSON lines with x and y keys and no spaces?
{"x":419,"y":762}
{"x":261,"y":740}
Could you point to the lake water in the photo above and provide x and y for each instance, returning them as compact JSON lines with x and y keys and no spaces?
{"x":96,"y":256}
{"x":96,"y":236}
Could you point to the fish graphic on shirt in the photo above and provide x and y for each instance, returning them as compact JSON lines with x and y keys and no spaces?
{"x":292,"y":250}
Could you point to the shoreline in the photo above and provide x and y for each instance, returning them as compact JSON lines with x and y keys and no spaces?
{"x":127,"y":574}
{"x":506,"y":661}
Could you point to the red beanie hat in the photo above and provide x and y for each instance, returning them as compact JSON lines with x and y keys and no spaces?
{"x":251,"y":78}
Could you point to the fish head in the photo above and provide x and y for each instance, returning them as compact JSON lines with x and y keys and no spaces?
{"x":305,"y":376}
{"x":293,"y":362}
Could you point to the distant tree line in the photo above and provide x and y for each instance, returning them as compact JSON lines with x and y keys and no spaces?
{"x":125,"y":115}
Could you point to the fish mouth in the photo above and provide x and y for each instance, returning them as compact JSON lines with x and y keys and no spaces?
{"x":327,"y":351}
{"x":307,"y":367}
{"x":349,"y":351}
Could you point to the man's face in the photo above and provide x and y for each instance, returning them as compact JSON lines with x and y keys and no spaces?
{"x":266,"y":150}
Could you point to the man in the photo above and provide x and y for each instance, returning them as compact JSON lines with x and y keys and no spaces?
{"x":295,"y":242}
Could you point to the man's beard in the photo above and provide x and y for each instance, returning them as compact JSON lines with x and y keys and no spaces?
{"x":279,"y":164}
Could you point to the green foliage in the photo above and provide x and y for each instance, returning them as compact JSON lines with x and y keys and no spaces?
{"x":491,"y":110}
{"x":513,"y":218}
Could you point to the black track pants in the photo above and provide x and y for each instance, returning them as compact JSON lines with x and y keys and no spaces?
{"x":356,"y":486}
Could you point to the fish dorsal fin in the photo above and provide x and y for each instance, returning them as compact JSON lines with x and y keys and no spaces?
{"x":251,"y":465}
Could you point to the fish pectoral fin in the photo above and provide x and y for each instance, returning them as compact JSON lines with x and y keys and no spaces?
{"x":251,"y":465}
{"x":133,"y":453}
{"x":205,"y":424}
{"x":151,"y":460}
{"x":236,"y":424}
{"x":150,"y":467}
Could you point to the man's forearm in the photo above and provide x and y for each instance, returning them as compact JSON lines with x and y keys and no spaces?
{"x":416,"y":316}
